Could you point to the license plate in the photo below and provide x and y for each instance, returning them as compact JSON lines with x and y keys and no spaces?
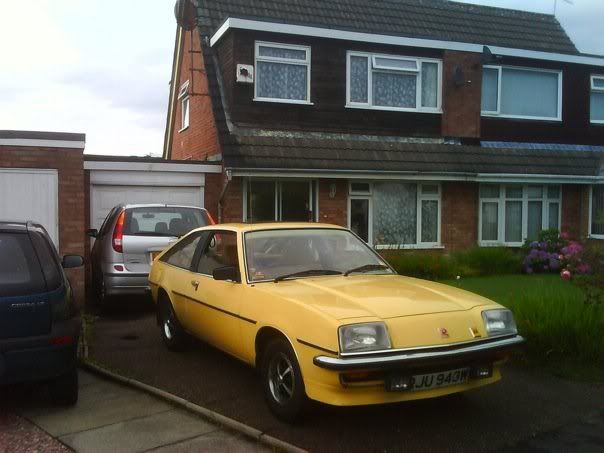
{"x":431,"y":380}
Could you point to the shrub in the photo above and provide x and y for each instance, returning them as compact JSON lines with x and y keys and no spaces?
{"x":430,"y":266}
{"x":479,"y":261}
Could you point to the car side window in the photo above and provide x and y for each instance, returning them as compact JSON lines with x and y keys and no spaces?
{"x":181,"y":254}
{"x":220,"y":251}
{"x":48,"y":262}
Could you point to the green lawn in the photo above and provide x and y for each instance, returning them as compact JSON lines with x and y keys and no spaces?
{"x":563,"y":333}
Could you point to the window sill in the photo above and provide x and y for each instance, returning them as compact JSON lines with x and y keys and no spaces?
{"x":501,"y":244}
{"x":393,"y":109}
{"x":519,"y":117}
{"x":596,"y":236}
{"x":283,"y":101}
{"x":599,"y":122}
{"x":409,"y":247}
{"x":183,"y":129}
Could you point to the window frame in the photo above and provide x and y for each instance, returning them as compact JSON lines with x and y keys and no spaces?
{"x":354,"y":195}
{"x":501,"y":207}
{"x":307,"y":62}
{"x":591,"y":200}
{"x":498,"y":114}
{"x":313,"y":196}
{"x":418,"y":73}
{"x":592,"y":89}
{"x":185,"y":106}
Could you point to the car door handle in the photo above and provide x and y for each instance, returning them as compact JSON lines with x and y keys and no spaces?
{"x":194,"y":284}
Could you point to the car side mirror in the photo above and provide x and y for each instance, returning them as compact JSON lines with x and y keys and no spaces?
{"x":226,"y":273}
{"x":93,"y":232}
{"x":70,"y":261}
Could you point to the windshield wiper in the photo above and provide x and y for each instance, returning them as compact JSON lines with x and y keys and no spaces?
{"x":366,"y":268}
{"x":308,"y":272}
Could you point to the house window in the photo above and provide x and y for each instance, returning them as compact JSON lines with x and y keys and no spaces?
{"x":183,"y":96}
{"x":282,"y":73}
{"x":284,"y":201}
{"x":512,"y":213}
{"x":597,"y":212}
{"x":523,"y":93}
{"x":389,"y":82}
{"x":597,"y":99}
{"x":396,"y":214}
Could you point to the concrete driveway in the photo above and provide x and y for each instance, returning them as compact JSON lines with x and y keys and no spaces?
{"x":108,"y":418}
{"x":524,"y":407}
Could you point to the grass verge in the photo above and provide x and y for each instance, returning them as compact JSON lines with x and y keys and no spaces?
{"x":564,"y":333}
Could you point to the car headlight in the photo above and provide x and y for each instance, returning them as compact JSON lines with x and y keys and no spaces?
{"x":371,"y":336}
{"x":499,"y":322}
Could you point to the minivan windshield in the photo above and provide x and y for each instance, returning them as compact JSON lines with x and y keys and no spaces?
{"x":20,"y":272}
{"x":306,"y":252}
{"x":163,"y":221}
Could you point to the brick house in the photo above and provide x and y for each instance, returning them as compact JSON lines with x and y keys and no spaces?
{"x":419,"y":124}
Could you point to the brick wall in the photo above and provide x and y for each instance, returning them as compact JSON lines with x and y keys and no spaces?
{"x":70,"y":166}
{"x":575,"y":210}
{"x":232,"y":208}
{"x":461,"y":104}
{"x":212,"y":191}
{"x":459,"y":215}
{"x":333,"y":210}
{"x":200,"y":140}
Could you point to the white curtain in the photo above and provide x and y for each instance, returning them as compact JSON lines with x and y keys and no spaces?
{"x":429,"y":228}
{"x":281,"y":80}
{"x":513,"y":221}
{"x":490,"y":221}
{"x":597,"y":106}
{"x":359,"y":79}
{"x":394,"y":90}
{"x":490,"y":79}
{"x":395,"y":213}
{"x":430,"y":85}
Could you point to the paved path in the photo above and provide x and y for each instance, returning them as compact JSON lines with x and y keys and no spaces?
{"x":113,"y":418}
{"x":523,"y":406}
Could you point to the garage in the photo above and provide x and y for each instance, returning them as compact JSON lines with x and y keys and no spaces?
{"x":143,"y":180}
{"x":31,"y":194}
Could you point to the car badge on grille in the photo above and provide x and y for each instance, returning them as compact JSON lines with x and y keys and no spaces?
{"x":444,"y":333}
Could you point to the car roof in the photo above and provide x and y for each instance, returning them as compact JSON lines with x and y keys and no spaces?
{"x":246,"y":227}
{"x":158,"y":205}
{"x":18,"y":225}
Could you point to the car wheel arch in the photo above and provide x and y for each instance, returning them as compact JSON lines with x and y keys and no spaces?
{"x":162,"y":298}
{"x":263,"y":337}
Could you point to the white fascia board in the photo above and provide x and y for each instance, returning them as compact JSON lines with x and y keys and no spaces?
{"x":42,"y":143}
{"x":416,"y":176}
{"x":151,"y":166}
{"x":318,"y":32}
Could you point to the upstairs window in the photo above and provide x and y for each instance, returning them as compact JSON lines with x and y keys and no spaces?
{"x":183,"y":96}
{"x":597,"y":99}
{"x":282,"y":73}
{"x":389,"y":82}
{"x":522,"y":93}
{"x":511,"y":214}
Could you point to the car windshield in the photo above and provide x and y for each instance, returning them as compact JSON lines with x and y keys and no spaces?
{"x":163,"y":221}
{"x":275,"y":254}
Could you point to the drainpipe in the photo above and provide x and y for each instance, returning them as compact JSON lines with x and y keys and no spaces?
{"x":229,"y":177}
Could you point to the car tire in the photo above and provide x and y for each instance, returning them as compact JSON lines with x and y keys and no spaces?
{"x":101,"y":295}
{"x":172,"y":333}
{"x":282,"y":381}
{"x":64,"y":389}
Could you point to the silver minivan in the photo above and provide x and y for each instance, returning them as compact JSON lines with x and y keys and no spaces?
{"x":130,"y":238}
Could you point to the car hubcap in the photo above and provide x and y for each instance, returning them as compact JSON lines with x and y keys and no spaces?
{"x":168,"y":324}
{"x":281,"y":378}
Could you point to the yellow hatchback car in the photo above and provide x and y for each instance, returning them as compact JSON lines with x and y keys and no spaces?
{"x":322,"y":316}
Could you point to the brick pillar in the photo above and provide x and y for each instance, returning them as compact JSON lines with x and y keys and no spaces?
{"x":232,"y":207}
{"x":333,"y":210}
{"x":459,"y":215}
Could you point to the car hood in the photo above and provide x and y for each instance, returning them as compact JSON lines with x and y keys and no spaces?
{"x":381,"y":296}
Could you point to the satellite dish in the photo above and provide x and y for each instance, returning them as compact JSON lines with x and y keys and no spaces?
{"x":185,"y":12}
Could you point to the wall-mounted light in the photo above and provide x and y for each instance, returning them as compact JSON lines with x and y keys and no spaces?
{"x":332,"y":190}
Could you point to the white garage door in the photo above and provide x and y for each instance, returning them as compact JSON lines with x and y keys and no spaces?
{"x":104,"y":198}
{"x":31,"y":194}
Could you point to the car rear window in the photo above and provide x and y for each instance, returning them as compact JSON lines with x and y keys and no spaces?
{"x":20,"y":272}
{"x":163,"y":221}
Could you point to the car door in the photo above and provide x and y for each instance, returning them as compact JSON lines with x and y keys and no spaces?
{"x":177,"y":271}
{"x":213,"y":306}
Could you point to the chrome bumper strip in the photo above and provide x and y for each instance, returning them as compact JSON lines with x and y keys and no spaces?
{"x":418,"y":357}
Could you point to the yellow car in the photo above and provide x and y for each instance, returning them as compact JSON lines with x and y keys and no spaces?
{"x":325,"y":317}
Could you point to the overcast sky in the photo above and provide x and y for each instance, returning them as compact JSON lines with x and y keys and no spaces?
{"x":102,"y":67}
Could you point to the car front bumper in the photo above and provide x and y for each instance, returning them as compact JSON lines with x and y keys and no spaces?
{"x":40,"y":358}
{"x":491,"y":349}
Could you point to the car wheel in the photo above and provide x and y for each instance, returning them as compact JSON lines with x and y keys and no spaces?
{"x":282,"y":381}
{"x":101,"y":294}
{"x":64,"y":389}
{"x":173,"y":335}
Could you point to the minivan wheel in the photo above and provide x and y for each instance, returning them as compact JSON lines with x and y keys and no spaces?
{"x":172,"y":334}
{"x":282,"y":381}
{"x":64,"y":389}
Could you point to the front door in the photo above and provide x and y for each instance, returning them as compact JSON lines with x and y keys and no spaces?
{"x":213,"y":308}
{"x":360,"y":217}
